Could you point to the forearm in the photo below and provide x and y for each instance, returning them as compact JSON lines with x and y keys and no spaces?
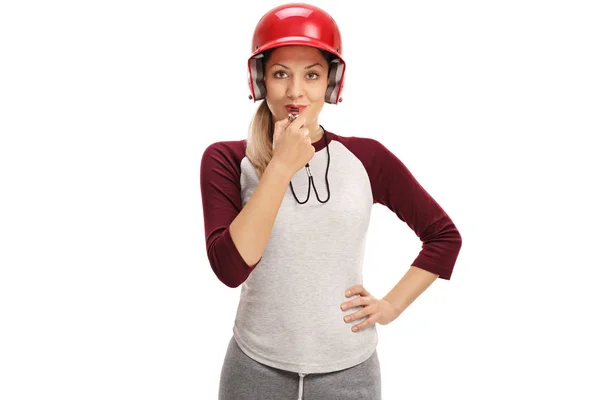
{"x":412,"y":284}
{"x":251,"y":229}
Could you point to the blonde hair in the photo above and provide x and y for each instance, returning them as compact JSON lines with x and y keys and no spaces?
{"x":259,"y":148}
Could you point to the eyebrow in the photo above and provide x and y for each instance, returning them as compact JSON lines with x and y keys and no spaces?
{"x":286,"y":67}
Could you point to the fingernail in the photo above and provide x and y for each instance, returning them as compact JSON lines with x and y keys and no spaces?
{"x":348,"y":293}
{"x":344,"y":306}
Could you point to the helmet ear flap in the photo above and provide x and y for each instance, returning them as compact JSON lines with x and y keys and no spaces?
{"x":256,"y":77}
{"x":335,"y":81}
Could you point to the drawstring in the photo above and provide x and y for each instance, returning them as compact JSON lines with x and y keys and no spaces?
{"x":300,"y":388}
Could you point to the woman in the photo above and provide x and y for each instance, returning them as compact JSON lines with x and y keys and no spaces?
{"x":286,"y":216}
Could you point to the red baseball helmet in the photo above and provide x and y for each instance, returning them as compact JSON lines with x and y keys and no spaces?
{"x":297,"y":24}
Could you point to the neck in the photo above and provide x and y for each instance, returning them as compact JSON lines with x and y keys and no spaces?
{"x":316,"y":133}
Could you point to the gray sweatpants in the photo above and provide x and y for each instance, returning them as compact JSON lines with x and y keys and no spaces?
{"x":243,"y":378}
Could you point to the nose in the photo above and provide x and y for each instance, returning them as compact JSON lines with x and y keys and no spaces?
{"x":295,"y":87}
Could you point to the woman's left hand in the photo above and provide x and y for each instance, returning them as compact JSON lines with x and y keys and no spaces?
{"x":380,"y":311}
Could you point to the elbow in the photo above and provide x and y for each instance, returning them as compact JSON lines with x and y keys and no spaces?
{"x":228,"y":279}
{"x":442,"y":245}
{"x":230,"y":274}
{"x":227,"y":264}
{"x":452,"y":239}
{"x":232,"y":283}
{"x":453,"y":244}
{"x":455,"y":238}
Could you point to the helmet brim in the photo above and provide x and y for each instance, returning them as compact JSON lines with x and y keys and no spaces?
{"x":296,"y":41}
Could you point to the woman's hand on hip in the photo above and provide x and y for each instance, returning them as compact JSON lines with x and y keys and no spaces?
{"x":377,"y":310}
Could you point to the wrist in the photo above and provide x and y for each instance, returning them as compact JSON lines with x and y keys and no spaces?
{"x":280,"y":170}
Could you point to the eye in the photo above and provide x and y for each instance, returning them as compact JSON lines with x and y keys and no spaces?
{"x":316,"y":76}
{"x":276,"y":74}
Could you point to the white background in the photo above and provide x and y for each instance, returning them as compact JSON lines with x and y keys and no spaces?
{"x":105,"y":111}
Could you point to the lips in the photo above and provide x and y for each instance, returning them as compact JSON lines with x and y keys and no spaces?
{"x":294,"y":109}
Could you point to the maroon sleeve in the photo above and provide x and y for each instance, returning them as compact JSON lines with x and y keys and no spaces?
{"x":395,"y":187}
{"x":221,"y":203}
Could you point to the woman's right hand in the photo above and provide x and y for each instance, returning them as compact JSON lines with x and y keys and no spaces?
{"x":292,"y":147}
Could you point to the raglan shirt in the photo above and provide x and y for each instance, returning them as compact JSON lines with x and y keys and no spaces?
{"x":289,"y":314}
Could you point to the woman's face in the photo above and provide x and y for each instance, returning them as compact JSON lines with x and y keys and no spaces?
{"x":296,"y":76}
